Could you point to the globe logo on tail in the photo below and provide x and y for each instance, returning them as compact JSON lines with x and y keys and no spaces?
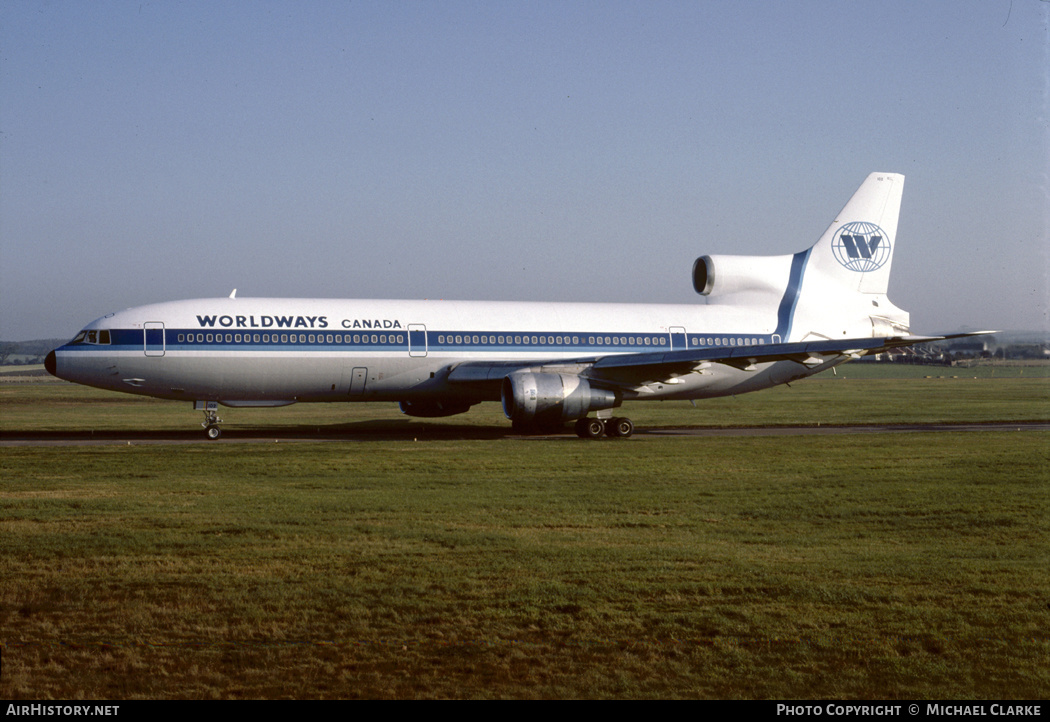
{"x":861,"y":246}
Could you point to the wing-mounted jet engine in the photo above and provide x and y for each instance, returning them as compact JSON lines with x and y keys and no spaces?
{"x":550,"y":400}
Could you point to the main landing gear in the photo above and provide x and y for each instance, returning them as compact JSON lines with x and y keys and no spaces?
{"x":211,"y":418}
{"x":619,"y":427}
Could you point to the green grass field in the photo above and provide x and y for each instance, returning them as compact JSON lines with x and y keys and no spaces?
{"x":442,"y":560}
{"x":859,"y":394}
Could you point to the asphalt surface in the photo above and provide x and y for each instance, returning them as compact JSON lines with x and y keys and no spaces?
{"x":384,"y":433}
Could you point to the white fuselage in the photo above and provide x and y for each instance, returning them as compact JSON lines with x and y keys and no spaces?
{"x":268,"y":351}
{"x":767,"y":320}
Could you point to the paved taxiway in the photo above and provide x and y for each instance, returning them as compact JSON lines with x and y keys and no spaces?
{"x":292,"y":434}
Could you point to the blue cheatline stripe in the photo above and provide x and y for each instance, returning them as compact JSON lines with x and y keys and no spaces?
{"x":786,"y":312}
{"x":579,"y":343}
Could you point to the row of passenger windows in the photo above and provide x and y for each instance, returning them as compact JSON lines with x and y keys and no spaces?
{"x":724,"y":341}
{"x":660,"y":340}
{"x":103,"y":337}
{"x":290,"y":338}
{"x":450,"y":339}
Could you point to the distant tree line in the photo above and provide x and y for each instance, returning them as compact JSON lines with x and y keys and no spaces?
{"x":16,"y":353}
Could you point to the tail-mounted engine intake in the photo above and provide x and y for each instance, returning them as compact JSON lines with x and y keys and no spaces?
{"x":539,"y":398}
{"x":723,"y":275}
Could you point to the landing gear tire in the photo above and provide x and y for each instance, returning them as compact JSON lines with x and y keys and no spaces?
{"x":211,"y":422}
{"x":589,"y":428}
{"x":619,"y":427}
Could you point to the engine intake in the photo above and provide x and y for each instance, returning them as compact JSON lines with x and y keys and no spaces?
{"x":725,"y":275}
{"x":540,"y":398}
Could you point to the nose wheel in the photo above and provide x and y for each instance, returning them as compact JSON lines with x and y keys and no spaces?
{"x":211,"y":418}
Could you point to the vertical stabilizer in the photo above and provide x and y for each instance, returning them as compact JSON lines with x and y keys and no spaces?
{"x":857,"y":248}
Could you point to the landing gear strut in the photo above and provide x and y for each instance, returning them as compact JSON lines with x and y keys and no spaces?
{"x":619,"y":427}
{"x":211,"y":418}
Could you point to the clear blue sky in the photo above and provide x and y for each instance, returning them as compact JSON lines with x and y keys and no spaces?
{"x":588,"y":151}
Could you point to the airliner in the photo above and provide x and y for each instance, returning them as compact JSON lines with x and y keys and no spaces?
{"x":767,"y":320}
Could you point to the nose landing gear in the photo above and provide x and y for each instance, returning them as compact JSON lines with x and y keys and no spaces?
{"x":211,"y":418}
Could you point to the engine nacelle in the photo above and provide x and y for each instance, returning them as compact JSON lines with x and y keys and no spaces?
{"x":539,"y":398}
{"x":723,"y":275}
{"x":433,"y":409}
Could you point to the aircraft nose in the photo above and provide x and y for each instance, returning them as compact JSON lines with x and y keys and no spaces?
{"x":49,"y":363}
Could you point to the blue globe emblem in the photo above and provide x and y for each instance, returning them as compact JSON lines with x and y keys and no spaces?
{"x":861,"y":246}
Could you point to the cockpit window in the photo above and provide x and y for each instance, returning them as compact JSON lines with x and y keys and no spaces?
{"x":94,"y":336}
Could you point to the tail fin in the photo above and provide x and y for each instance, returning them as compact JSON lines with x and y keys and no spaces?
{"x":857,"y":248}
{"x":847,"y":272}
{"x":835,"y":289}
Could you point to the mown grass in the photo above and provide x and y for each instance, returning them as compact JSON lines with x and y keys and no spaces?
{"x":477,"y":565}
{"x":886,"y":566}
{"x":859,"y":394}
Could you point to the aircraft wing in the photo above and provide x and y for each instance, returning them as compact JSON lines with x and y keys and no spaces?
{"x":812,"y":354}
{"x":616,"y":370}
